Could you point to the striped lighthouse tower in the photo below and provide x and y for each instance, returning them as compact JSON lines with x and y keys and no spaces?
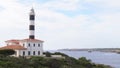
{"x":32,"y":26}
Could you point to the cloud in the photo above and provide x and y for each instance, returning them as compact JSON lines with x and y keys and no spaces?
{"x":105,"y":3}
{"x":64,"y":5}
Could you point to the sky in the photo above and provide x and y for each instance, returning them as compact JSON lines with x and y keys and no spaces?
{"x":63,"y":23}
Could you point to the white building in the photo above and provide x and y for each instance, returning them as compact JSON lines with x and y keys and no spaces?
{"x":26,"y":47}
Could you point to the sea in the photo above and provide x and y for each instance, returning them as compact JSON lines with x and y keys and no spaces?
{"x":107,"y":58}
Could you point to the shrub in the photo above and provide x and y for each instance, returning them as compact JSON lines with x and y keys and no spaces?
{"x":7,"y":52}
{"x":48,"y":54}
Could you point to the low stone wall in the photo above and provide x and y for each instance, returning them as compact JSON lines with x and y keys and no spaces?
{"x":57,"y":56}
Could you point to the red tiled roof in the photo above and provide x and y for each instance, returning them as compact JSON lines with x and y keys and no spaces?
{"x":14,"y":47}
{"x":24,"y":40}
{"x":13,"y":40}
{"x":32,"y":40}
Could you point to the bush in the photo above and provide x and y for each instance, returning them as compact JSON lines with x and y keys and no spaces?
{"x":83,"y":61}
{"x":48,"y":54}
{"x":58,"y":53}
{"x":7,"y":52}
{"x":54,"y":63}
{"x":43,"y":62}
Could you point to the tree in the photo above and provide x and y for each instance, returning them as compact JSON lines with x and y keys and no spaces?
{"x":59,"y":53}
{"x":48,"y":54}
{"x":83,"y":61}
{"x":7,"y":52}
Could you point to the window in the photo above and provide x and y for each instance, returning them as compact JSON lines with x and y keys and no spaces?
{"x":29,"y":44}
{"x":23,"y":53}
{"x":28,"y":52}
{"x":34,"y":45}
{"x":38,"y":52}
{"x":15,"y":53}
{"x":38,"y":45}
{"x":23,"y":45}
{"x":33,"y":52}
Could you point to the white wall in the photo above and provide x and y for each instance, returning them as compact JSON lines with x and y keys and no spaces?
{"x":31,"y":48}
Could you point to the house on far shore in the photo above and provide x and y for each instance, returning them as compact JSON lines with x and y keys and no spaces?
{"x":29,"y":46}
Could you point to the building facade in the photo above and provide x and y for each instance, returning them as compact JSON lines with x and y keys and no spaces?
{"x":29,"y":46}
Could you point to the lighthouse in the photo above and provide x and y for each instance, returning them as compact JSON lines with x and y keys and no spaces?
{"x":28,"y":46}
{"x":32,"y":24}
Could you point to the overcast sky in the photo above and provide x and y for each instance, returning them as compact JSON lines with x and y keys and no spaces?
{"x":63,"y":23}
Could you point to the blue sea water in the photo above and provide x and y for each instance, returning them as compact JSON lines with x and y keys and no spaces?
{"x":112,"y":59}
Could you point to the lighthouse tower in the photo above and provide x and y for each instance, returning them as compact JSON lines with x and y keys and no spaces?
{"x":32,"y":26}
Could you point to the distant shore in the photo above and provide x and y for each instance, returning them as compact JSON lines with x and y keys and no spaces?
{"x":113,"y":50}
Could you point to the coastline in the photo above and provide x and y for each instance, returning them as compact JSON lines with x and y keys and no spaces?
{"x":107,"y":58}
{"x":111,"y":50}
